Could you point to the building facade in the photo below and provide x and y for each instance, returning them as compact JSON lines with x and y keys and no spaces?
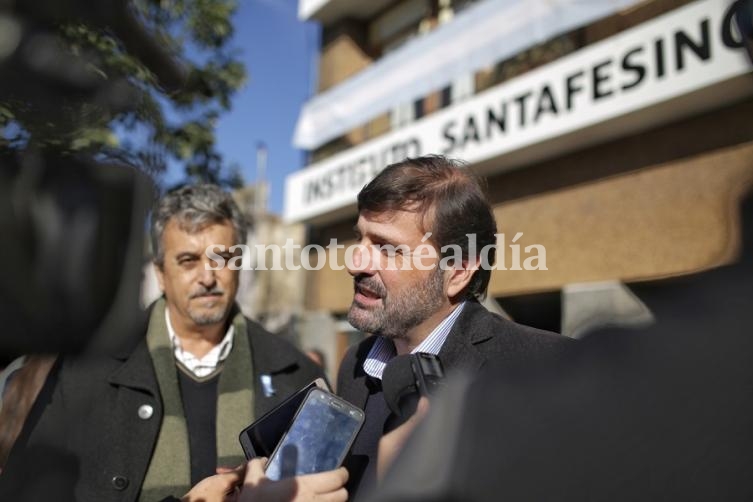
{"x":614,"y":135}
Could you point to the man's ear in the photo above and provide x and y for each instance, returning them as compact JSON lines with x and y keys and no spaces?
{"x":160,"y":276}
{"x":459,"y":276}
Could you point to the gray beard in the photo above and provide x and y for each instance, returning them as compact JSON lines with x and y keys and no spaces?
{"x":207,"y":319}
{"x":401,"y":313}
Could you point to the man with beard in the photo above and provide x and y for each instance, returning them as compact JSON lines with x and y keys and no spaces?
{"x":412,"y":300}
{"x":154,"y":419}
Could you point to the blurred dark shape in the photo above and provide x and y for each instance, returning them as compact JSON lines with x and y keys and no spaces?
{"x":72,"y":225}
{"x":661,"y":413}
{"x":53,"y":93}
{"x":72,"y":233}
{"x":100,"y":77}
{"x":114,"y":15}
{"x":408,"y":377}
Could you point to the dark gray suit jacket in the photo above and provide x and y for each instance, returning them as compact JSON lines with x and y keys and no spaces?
{"x":477,"y":337}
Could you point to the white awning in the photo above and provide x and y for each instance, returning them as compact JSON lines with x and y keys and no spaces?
{"x":328,"y":11}
{"x":480,"y":36}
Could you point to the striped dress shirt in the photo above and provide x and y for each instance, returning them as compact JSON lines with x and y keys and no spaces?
{"x":206,"y":365}
{"x":383,"y":349}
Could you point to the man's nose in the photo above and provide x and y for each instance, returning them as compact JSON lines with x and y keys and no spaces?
{"x":207,"y":277}
{"x":362,"y":260}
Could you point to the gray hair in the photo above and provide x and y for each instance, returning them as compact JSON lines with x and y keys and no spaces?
{"x":194,"y":207}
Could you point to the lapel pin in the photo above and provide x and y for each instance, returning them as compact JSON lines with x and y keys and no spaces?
{"x":266,"y":385}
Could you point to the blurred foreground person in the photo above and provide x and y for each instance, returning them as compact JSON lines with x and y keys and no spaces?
{"x":426,"y":234}
{"x":162,"y":414}
{"x":660,"y":413}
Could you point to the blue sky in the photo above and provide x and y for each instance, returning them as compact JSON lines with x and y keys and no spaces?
{"x":279,"y":52}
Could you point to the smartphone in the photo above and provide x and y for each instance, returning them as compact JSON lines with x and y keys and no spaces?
{"x":319,"y":437}
{"x":261,"y":437}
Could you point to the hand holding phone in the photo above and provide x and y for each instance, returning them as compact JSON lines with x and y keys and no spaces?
{"x":261,"y":437}
{"x":328,"y":485}
{"x":319,"y":437}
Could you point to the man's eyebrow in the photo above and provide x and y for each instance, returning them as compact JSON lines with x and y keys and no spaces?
{"x":385,"y":239}
{"x":375,"y":235}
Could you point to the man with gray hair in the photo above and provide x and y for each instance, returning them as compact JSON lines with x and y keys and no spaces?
{"x":165,"y":414}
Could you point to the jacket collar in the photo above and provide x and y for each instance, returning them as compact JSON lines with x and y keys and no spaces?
{"x":137,"y":371}
{"x":460,"y":350}
{"x":359,"y":392}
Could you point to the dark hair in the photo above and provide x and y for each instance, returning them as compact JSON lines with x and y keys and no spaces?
{"x":194,"y":207}
{"x":450,"y":199}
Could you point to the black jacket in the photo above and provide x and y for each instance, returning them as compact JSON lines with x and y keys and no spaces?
{"x":84,"y":439}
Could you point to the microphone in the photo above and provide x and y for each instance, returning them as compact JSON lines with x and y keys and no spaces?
{"x":408,"y":377}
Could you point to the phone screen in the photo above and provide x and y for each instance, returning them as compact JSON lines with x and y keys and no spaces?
{"x":260,"y":438}
{"x":319,"y":437}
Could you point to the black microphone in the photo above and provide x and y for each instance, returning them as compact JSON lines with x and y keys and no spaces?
{"x":408,"y":377}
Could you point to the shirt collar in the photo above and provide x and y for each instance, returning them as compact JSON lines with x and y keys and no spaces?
{"x":206,"y":365}
{"x":383,"y":349}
